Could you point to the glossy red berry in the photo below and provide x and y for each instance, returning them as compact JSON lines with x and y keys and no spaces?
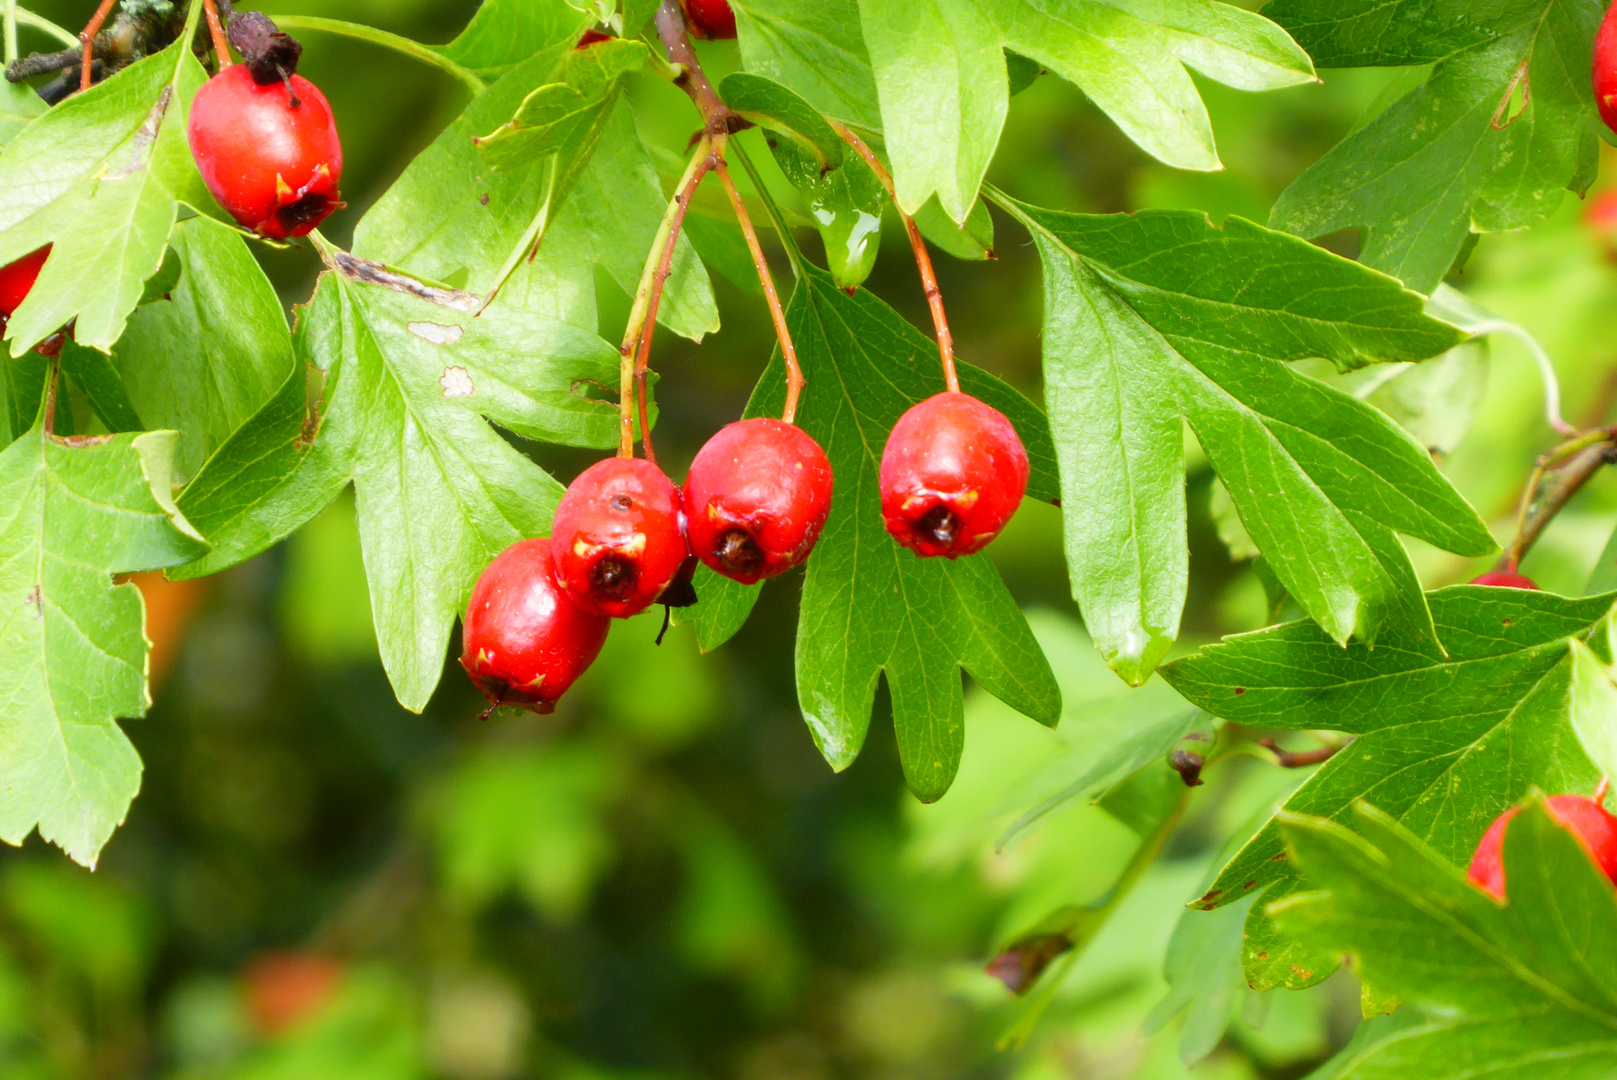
{"x":756,"y":499}
{"x":1585,"y":818}
{"x":1605,"y":68}
{"x":711,"y":18}
{"x":525,"y":641}
{"x":269,"y":153}
{"x":17,"y":280}
{"x":952,"y":474}
{"x":1507,"y":579}
{"x":619,"y":536}
{"x":591,"y":37}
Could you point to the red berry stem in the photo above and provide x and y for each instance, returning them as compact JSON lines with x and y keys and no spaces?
{"x":216,"y":31}
{"x":717,"y":119}
{"x":87,"y":40}
{"x":635,"y":352}
{"x":794,"y":373}
{"x":923,"y":260}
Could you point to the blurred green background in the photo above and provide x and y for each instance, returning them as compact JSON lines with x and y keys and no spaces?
{"x":663,"y":879}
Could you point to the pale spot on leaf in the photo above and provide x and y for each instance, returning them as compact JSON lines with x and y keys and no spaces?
{"x":457,"y":382}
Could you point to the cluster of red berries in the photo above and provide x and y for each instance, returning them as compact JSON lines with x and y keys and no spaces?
{"x":1585,"y":819}
{"x":754,"y":503}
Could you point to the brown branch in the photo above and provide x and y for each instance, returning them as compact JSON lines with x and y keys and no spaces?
{"x":1541,"y":504}
{"x":794,"y":373}
{"x":717,"y":119}
{"x":1299,"y":759}
{"x":923,"y":259}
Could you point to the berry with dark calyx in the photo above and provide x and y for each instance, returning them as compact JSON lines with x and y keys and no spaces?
{"x":756,"y":499}
{"x":952,"y":474}
{"x":17,"y":281}
{"x":1605,"y":68}
{"x":591,"y":37}
{"x":268,"y":152}
{"x":1585,"y":818}
{"x":1507,"y":579}
{"x":619,"y":536}
{"x":711,"y":18}
{"x":525,"y":641}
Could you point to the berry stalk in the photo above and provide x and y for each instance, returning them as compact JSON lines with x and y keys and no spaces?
{"x":1573,"y":464}
{"x":923,"y":259}
{"x":216,"y":31}
{"x":794,"y":373}
{"x":635,"y":352}
{"x":87,"y":42}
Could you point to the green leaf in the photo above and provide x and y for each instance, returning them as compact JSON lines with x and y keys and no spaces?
{"x":101,"y":177}
{"x":22,"y":385}
{"x":451,"y":219}
{"x":1446,"y":738}
{"x":941,"y":74}
{"x":869,"y":607}
{"x":768,"y":104}
{"x":815,"y":49}
{"x":93,"y":372}
{"x":1161,"y":318}
{"x":1203,"y":972}
{"x":1519,"y":989}
{"x":72,"y":654}
{"x":846,"y":203}
{"x":211,"y":355}
{"x":410,"y":373}
{"x":556,"y":116}
{"x":18,"y":106}
{"x":504,"y":33}
{"x":263,"y":483}
{"x":1594,"y":708}
{"x":1457,"y":153}
{"x":972,"y":240}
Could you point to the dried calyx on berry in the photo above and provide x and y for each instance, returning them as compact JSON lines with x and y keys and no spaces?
{"x":756,"y":498}
{"x":271,"y":56}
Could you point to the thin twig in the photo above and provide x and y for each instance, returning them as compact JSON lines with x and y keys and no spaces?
{"x":794,"y":373}
{"x":923,"y":259}
{"x":635,"y":351}
{"x":87,"y":41}
{"x":50,"y":396}
{"x":1299,"y":759}
{"x":1569,"y":467}
{"x":216,"y":31}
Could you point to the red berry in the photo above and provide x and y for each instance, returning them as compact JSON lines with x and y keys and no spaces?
{"x":17,"y":279}
{"x":272,"y":164}
{"x":1585,"y":818}
{"x":525,"y":641}
{"x":952,"y":475}
{"x":1507,"y":579}
{"x":711,"y":18}
{"x":591,"y":36}
{"x":619,"y":536}
{"x":756,"y":499}
{"x":1605,"y":68}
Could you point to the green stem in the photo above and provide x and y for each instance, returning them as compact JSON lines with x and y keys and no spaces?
{"x":11,"y":31}
{"x":396,"y":42}
{"x":777,"y":218}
